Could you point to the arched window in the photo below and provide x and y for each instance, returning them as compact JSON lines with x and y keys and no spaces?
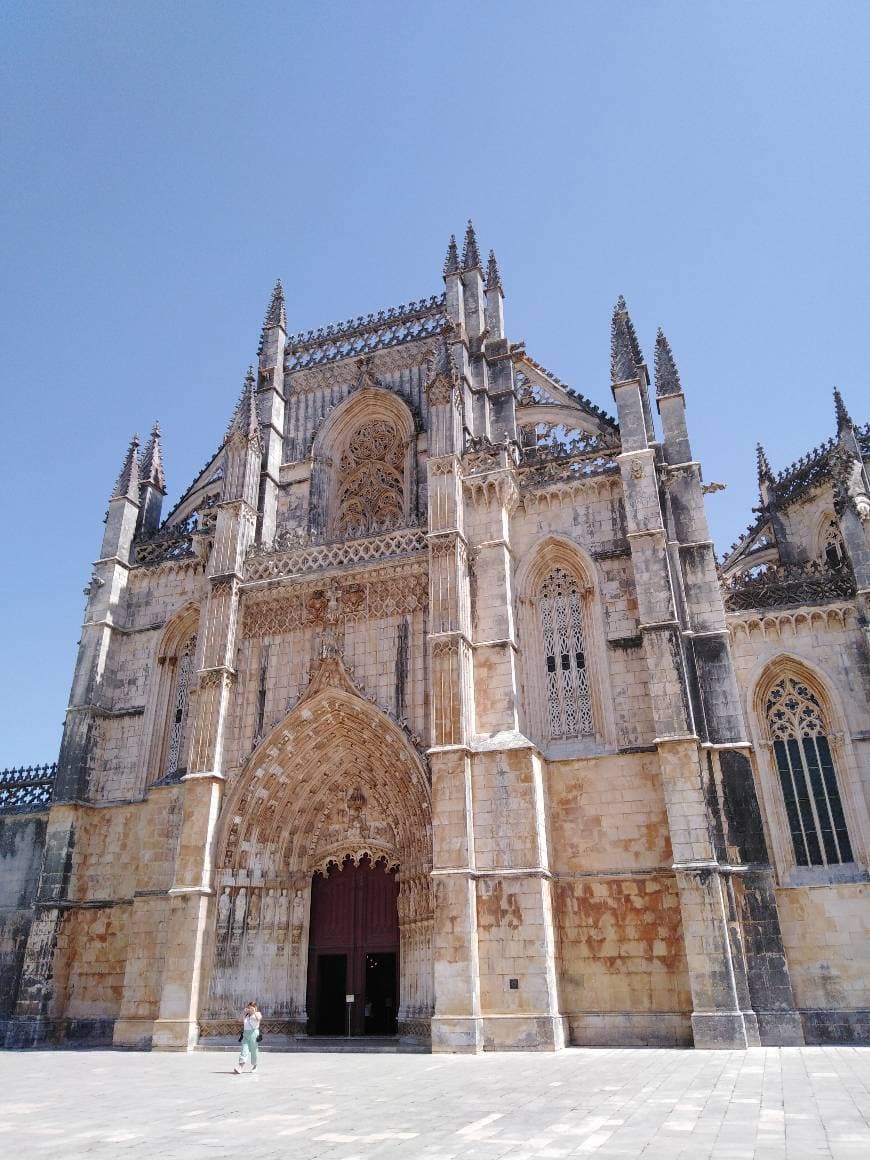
{"x":569,"y":704}
{"x":363,"y":467}
{"x":172,"y":686}
{"x":831,"y":546}
{"x":798,"y":730}
{"x":370,"y":494}
{"x":178,"y":707}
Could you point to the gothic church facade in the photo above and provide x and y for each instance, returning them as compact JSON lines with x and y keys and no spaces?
{"x":428,"y":712}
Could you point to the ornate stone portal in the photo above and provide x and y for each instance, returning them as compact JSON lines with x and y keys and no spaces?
{"x":335,"y":783}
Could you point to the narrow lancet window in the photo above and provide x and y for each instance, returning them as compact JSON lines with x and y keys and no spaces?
{"x":569,"y":705}
{"x":799,"y":734}
{"x":832,"y":544}
{"x":179,"y":706}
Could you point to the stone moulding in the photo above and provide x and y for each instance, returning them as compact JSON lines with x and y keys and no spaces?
{"x":539,"y":493}
{"x":263,"y":564}
{"x":773,"y":625}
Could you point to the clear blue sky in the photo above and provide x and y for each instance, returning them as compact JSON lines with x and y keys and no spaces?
{"x":163,"y":163}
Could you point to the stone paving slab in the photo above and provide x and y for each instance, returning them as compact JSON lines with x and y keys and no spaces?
{"x":795,"y":1103}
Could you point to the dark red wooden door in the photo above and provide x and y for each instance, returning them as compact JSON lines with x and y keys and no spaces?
{"x":354,"y":913}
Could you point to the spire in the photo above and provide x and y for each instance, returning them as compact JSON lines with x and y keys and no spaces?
{"x":625,"y":353}
{"x":151,"y":461}
{"x":493,"y":278}
{"x":667,"y":375}
{"x":276,"y":314}
{"x":470,"y":252}
{"x":127,"y":486}
{"x":765,"y":475}
{"x":451,"y":262}
{"x":844,"y":420}
{"x":245,"y":420}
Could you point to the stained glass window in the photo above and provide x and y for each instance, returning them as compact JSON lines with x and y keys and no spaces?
{"x":569,"y":705}
{"x":807,"y":775}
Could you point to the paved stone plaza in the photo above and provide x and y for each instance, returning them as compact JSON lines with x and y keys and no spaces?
{"x":658,"y":1104}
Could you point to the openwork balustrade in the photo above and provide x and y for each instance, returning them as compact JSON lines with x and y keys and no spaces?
{"x":779,"y":587}
{"x":264,"y":564}
{"x":359,"y":336}
{"x":27,"y":788}
{"x":177,"y":541}
{"x":552,"y":462}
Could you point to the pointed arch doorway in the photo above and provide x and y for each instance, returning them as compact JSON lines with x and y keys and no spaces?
{"x":353,"y":949}
{"x":325,"y":848}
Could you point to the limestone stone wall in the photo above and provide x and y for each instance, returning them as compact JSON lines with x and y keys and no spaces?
{"x":826,"y":931}
{"x":622,"y":964}
{"x":21,"y":844}
{"x":91,"y":961}
{"x":111,"y":942}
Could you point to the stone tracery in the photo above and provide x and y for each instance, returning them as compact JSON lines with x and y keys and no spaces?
{"x":370,"y":487}
{"x":808,"y":778}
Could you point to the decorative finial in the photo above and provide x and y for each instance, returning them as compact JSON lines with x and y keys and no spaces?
{"x":151,"y":461}
{"x":493,"y":278}
{"x":470,"y":252}
{"x":245,"y":420}
{"x":127,"y":485}
{"x":765,"y":475}
{"x":276,"y":314}
{"x":844,"y":420}
{"x":451,"y":262}
{"x":667,"y":375}
{"x":625,"y":354}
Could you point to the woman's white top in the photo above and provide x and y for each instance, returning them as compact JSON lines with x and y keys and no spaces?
{"x":252,"y":1022}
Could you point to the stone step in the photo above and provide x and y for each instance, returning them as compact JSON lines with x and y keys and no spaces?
{"x":363,"y":1044}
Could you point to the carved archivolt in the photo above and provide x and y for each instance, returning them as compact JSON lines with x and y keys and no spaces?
{"x":355,"y":827}
{"x":336,"y":767}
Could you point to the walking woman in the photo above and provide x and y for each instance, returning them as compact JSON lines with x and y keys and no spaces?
{"x":250,"y":1035}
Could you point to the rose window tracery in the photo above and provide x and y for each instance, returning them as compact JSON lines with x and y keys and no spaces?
{"x":371,"y":481}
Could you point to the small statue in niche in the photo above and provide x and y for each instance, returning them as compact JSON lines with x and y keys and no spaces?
{"x":239,"y":910}
{"x":224,"y":906}
{"x":254,"y":910}
{"x":283,"y":910}
{"x":269,"y":910}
